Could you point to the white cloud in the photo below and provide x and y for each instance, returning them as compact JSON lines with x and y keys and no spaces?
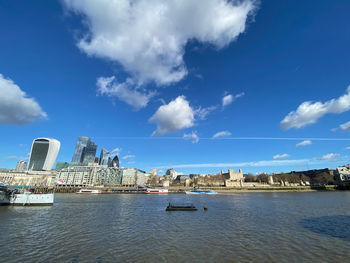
{"x":221,"y":134}
{"x":15,"y":106}
{"x":243,"y":164}
{"x":128,"y":157}
{"x":193,"y":136}
{"x":228,"y":99}
{"x":347,"y":148}
{"x":345,"y":126}
{"x":304,"y":143}
{"x":280,"y":156}
{"x":125,"y":91}
{"x":268,"y":163}
{"x":148,"y":37}
{"x":202,"y":113}
{"x":309,"y":112}
{"x":172,"y":117}
{"x":329,"y":156}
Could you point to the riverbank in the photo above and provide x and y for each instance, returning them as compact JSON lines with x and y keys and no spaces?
{"x":181,"y":190}
{"x":278,"y":189}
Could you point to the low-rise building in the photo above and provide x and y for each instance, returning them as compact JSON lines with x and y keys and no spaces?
{"x":343,"y":174}
{"x":28,"y":178}
{"x":99,"y":175}
{"x":233,"y":179}
{"x":61,"y":165}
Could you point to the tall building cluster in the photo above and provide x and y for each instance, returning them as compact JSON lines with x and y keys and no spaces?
{"x":85,"y":169}
{"x":88,"y":170}
{"x":85,"y":154}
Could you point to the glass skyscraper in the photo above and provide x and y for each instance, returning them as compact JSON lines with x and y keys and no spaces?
{"x":43,"y":154}
{"x":104,"y":157}
{"x":85,"y":151}
{"x":115,"y":161}
{"x":79,"y":148}
{"x":89,"y":153}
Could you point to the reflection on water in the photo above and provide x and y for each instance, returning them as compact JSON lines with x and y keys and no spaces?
{"x":335,"y":226}
{"x":241,"y":227}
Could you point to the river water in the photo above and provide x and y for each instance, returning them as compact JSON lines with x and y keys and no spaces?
{"x":239,"y":227}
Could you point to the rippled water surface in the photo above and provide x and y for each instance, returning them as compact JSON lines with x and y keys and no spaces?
{"x":242,"y":227}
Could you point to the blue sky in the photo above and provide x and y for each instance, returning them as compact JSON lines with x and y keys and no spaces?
{"x":157,"y":80}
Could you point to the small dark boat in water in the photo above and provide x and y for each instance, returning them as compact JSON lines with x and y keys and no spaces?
{"x":177,"y":207}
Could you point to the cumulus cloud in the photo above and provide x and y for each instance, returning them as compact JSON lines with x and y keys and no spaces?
{"x":178,"y":115}
{"x":172,"y":117}
{"x":125,"y":91}
{"x":148,"y":37}
{"x":280,"y":156}
{"x":345,"y":126}
{"x":192,"y":136}
{"x":309,"y":112}
{"x":229,"y":98}
{"x":329,"y":156}
{"x":221,"y":134}
{"x":304,"y":143}
{"x":15,"y":106}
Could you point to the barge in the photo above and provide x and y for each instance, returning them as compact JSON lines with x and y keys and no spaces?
{"x":176,"y":207}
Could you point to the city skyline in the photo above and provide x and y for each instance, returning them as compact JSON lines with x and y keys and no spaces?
{"x":266,"y":92}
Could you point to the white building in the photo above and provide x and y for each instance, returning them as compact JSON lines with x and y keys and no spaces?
{"x":344,"y":173}
{"x":43,"y":154}
{"x":100,"y":175}
{"x":21,"y":166}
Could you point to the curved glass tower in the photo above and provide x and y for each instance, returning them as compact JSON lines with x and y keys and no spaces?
{"x":43,"y":154}
{"x":104,"y":157}
{"x":115,"y":162}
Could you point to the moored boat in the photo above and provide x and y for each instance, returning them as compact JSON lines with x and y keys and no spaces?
{"x":24,"y":197}
{"x":182,"y":207}
{"x":29,"y":198}
{"x":89,"y":191}
{"x":196,"y":192}
{"x":156,"y":191}
{"x":4,"y":195}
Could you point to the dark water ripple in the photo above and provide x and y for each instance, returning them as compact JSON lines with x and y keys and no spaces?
{"x":253,"y":227}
